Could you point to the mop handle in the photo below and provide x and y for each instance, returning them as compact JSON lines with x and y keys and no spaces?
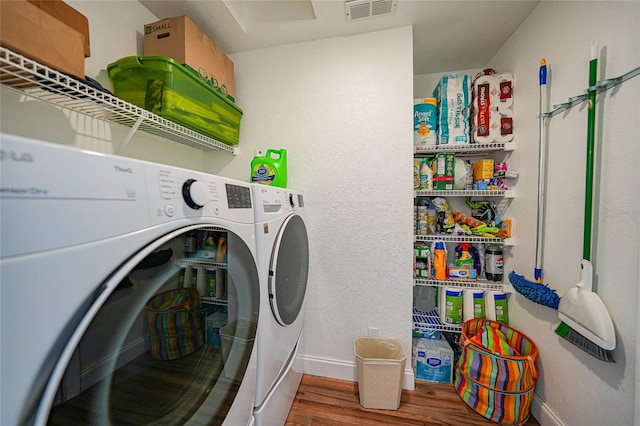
{"x":541,"y":168}
{"x":591,"y":123}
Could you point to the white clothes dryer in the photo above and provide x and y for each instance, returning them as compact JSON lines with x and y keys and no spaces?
{"x":101,"y":322}
{"x":282,"y":250}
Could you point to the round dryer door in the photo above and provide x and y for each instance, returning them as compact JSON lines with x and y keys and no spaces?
{"x":288,"y":270}
{"x":172,"y":343}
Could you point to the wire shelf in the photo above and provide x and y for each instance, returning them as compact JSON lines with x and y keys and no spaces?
{"x":41,"y":82}
{"x":199,"y":262}
{"x":459,"y":238}
{"x":222,"y":301}
{"x":478,"y":284}
{"x":462,"y":150}
{"x":510,"y":193}
{"x":431,"y":320}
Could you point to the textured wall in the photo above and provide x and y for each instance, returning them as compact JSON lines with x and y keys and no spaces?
{"x":342,"y":107}
{"x":562,"y":32}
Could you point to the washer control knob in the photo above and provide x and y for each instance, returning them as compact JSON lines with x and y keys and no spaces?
{"x":292,"y":200}
{"x":194,"y":193}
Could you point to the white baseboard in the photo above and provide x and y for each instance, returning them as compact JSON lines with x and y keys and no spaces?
{"x":344,"y":370}
{"x":543,"y":414}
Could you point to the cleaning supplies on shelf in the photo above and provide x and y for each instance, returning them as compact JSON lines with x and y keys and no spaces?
{"x":426,"y":175}
{"x":221,"y":253}
{"x":220,"y":282}
{"x":270,"y":169}
{"x":439,"y":261}
{"x":209,"y":249}
{"x":463,"y":258}
{"x":451,"y":305}
{"x":473,"y":304}
{"x":497,"y":307}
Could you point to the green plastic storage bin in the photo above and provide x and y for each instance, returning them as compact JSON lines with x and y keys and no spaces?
{"x":163,"y":86}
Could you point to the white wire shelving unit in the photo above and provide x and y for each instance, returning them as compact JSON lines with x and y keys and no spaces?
{"x":464,"y":150}
{"x":43,"y":83}
{"x":431,"y":320}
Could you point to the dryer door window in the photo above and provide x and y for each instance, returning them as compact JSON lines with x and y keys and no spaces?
{"x":289,"y":270}
{"x":173,"y":341}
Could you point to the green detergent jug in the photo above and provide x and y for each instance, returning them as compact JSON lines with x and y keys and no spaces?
{"x":270,"y":169}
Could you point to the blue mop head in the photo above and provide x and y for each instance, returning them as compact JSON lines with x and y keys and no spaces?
{"x":536,"y":292}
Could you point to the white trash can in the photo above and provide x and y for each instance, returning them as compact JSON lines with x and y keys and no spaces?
{"x":380,"y":363}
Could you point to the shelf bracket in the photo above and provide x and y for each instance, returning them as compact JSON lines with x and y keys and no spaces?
{"x":132,"y":130}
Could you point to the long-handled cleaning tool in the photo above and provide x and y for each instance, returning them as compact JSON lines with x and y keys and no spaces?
{"x":536,"y":291}
{"x":585,"y":319}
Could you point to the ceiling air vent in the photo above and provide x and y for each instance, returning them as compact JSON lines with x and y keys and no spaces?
{"x":357,"y":10}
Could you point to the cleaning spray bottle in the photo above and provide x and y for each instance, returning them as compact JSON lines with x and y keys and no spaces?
{"x":270,"y":169}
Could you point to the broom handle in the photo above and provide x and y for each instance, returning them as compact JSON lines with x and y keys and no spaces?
{"x":591,"y":124}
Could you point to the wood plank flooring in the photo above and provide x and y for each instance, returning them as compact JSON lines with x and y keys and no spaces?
{"x":323,"y":401}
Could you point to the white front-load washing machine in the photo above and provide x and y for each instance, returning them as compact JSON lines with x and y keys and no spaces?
{"x":129,"y":291}
{"x":282,"y":250}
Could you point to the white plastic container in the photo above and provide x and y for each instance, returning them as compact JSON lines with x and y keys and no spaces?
{"x":380,"y":363}
{"x":473,"y":304}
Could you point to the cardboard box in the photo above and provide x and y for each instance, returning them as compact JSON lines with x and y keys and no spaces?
{"x":482,"y":169}
{"x":180,"y":39}
{"x":31,"y":32}
{"x":67,"y":14}
{"x":443,"y":171}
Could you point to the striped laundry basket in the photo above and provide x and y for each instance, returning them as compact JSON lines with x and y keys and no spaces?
{"x":496,"y":373}
{"x":174,"y":323}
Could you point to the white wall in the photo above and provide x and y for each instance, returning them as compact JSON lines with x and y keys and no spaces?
{"x":342,"y":107}
{"x":575,"y":388}
{"x":109,"y":42}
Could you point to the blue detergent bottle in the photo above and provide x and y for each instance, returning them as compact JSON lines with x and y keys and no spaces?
{"x":270,"y":169}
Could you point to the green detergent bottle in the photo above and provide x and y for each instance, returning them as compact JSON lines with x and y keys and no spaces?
{"x":270,"y":169}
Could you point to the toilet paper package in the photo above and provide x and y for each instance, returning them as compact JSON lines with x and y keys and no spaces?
{"x":491,"y":111}
{"x":453,"y":94}
{"x":424,"y":121}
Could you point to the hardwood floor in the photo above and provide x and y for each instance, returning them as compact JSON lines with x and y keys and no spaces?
{"x":322,"y":401}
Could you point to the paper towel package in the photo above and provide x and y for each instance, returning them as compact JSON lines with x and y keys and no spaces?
{"x":433,"y":360}
{"x":453,"y":94}
{"x":492,"y":113}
